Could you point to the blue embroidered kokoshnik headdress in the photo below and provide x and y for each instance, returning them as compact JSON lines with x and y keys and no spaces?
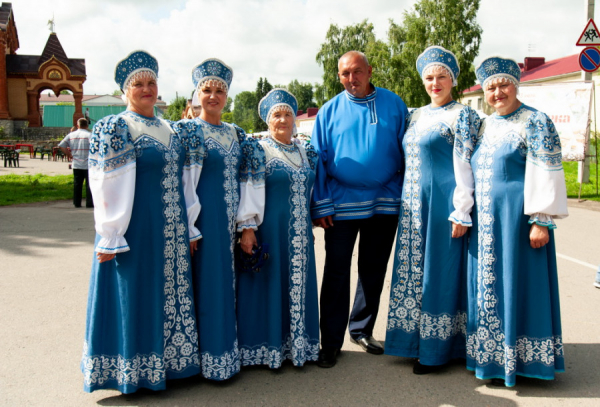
{"x":212,"y":69}
{"x":274,"y":99}
{"x":496,"y":67}
{"x":439,"y":56}
{"x":136,"y":62}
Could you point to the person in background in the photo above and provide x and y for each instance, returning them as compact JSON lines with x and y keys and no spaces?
{"x":78,"y":142}
{"x":358,"y":138}
{"x":428,"y":298}
{"x":87,"y":115}
{"x":514,"y":325}
{"x":277,"y":307}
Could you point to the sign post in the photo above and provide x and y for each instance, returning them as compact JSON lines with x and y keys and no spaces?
{"x":589,"y":38}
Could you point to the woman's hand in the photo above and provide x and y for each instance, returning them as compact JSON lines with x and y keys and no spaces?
{"x":458,"y":230}
{"x":193,"y":247}
{"x":248,"y":241}
{"x":102,"y":257}
{"x":538,"y":236}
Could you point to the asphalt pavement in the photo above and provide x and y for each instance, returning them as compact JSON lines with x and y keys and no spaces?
{"x":45,"y":258}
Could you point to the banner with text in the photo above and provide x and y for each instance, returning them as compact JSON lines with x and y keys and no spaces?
{"x":568,"y":104}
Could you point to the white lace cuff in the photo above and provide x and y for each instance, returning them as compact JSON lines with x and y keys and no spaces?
{"x":112,"y":245}
{"x":543,"y":220}
{"x":247,"y":224}
{"x":461,"y":218}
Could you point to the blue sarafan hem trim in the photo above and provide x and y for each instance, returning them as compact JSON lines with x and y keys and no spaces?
{"x":516,"y":374}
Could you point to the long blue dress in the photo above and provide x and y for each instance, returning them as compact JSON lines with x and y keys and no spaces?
{"x":217,"y":150}
{"x":141,"y":328}
{"x":427,"y":311}
{"x":278,"y":314}
{"x":514,"y":323}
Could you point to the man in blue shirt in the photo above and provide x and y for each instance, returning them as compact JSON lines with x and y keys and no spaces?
{"x":358,"y":137}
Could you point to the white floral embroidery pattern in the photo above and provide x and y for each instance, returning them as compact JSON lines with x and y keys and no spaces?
{"x":405,"y":311}
{"x":100,"y":369}
{"x":223,"y":366}
{"x":488,"y":344}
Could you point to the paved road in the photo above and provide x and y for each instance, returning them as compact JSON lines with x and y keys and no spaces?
{"x":45,"y":257}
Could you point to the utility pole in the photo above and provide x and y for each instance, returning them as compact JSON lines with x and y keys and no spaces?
{"x":583,"y":167}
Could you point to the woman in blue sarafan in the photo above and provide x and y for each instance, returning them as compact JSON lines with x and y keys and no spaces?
{"x":427,"y":310}
{"x":514,"y":314}
{"x":215,"y":149}
{"x":278,"y":315}
{"x":141,"y":328}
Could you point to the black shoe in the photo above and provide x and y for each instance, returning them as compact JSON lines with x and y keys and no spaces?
{"x":327,"y":357}
{"x":369,"y":344}
{"x":419,"y":369}
{"x":498,"y":382}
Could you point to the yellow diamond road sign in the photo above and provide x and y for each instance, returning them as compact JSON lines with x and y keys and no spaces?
{"x":590,"y":35}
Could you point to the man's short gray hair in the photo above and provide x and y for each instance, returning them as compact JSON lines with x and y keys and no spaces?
{"x":354,"y":53}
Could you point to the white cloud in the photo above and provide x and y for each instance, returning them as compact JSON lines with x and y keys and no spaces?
{"x":277,"y":39}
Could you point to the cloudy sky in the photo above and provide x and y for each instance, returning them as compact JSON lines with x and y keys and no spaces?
{"x":277,"y":39}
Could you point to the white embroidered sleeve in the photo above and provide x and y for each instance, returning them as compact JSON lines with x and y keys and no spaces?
{"x":252,"y":206}
{"x":113,"y":194}
{"x":545,"y":189}
{"x":465,"y":138}
{"x":112,"y":172}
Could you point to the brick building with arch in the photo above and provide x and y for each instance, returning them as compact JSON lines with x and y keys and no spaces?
{"x":24,"y":77}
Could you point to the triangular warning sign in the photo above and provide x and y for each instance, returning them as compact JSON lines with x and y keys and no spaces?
{"x":590,"y":35}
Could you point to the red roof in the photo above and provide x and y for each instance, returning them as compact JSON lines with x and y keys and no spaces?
{"x":548,"y":69}
{"x":310,"y":113}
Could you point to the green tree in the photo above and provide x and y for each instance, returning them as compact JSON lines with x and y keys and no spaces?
{"x":262,"y":88}
{"x":227,"y":108}
{"x":303,"y":93}
{"x":319,"y":94}
{"x":176,"y":107}
{"x":244,"y":106}
{"x":449,"y":23}
{"x":117,"y":92}
{"x":227,"y":117}
{"x":338,"y":41}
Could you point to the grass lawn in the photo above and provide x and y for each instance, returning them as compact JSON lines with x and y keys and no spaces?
{"x":17,"y":189}
{"x":588,"y":191}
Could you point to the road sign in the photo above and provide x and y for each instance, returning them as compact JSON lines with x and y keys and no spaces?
{"x":590,"y":35}
{"x":589,"y":59}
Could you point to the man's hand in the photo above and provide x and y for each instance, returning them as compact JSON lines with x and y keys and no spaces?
{"x":325,"y":222}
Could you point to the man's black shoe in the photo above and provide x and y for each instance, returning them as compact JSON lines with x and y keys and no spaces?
{"x":369,"y":344}
{"x":327,"y":357}
{"x":418,"y":368}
